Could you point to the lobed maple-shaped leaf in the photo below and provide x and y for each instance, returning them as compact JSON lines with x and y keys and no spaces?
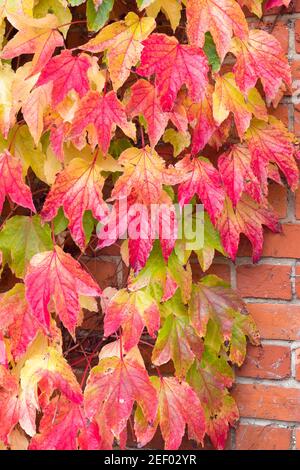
{"x":132,"y":311}
{"x":213,"y":300}
{"x":223,"y":18}
{"x":9,"y":406}
{"x":174,"y":65}
{"x":122,"y":40}
{"x":237,"y":174}
{"x":178,"y":407}
{"x":103,"y":113}
{"x":205,"y":125}
{"x":20,"y":239}
{"x":59,"y":426}
{"x":204,"y":243}
{"x":272,"y":142}
{"x":58,"y":276}
{"x":164,"y":276}
{"x":248,"y":218}
{"x":170,"y":8}
{"x":141,"y":222}
{"x":145,"y":172}
{"x":12,"y":184}
{"x":66,"y":72}
{"x":53,"y":371}
{"x":38,"y":36}
{"x":77,"y":188}
{"x":227,"y":98}
{"x":144,"y":100}
{"x":210,"y":379}
{"x":34,"y":109}
{"x":201,"y":178}
{"x":260,"y":56}
{"x":177,"y":339}
{"x":112,"y":388}
{"x":17,"y":320}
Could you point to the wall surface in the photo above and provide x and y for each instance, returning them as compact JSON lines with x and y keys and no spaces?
{"x":268,"y":385}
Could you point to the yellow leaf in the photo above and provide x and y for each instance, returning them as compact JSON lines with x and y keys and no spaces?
{"x":170,"y":8}
{"x":122,"y":40}
{"x":179,"y":140}
{"x":58,"y":8}
{"x":7,"y":77}
{"x":34,"y":109}
{"x":30,"y":155}
{"x":52,"y":166}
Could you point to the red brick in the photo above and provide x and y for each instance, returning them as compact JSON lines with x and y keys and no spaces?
{"x":297,"y":198}
{"x":277,"y":321}
{"x":219,"y":269}
{"x":297,"y":119}
{"x":278,"y":199}
{"x":268,"y":402}
{"x":264,"y":281}
{"x":267,"y":362}
{"x":249,"y":437}
{"x":297,"y":36}
{"x":298,"y":439}
{"x":298,"y":281}
{"x":297,"y":357}
{"x":281,"y":113}
{"x":278,"y":245}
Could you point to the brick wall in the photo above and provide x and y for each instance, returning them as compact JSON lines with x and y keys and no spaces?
{"x":268,"y":385}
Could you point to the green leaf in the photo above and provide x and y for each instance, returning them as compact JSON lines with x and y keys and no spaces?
{"x":211,"y":52}
{"x":21,"y":238}
{"x":177,"y":339}
{"x":97,"y":18}
{"x":205,"y":254}
{"x":88,"y":225}
{"x":178,"y":140}
{"x":75,"y":3}
{"x":118,"y":146}
{"x":60,"y":222}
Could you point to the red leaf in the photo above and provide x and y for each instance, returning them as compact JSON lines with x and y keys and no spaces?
{"x":272,"y":142}
{"x":56,"y":275}
{"x":104,"y":113}
{"x":9,"y":407}
{"x":237,"y":175}
{"x":50,"y":371}
{"x":144,"y":100}
{"x":203,"y":179}
{"x":17,"y":319}
{"x":11,"y":183}
{"x":174,"y":65}
{"x":260,"y":56}
{"x":66,"y":72}
{"x":113,"y":387}
{"x":248,"y":218}
{"x":133,"y":311}
{"x":77,"y":188}
{"x":178,"y":406}
{"x":59,"y":426}
{"x":223,"y":18}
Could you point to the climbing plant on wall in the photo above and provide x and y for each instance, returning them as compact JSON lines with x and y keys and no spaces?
{"x":93,"y":95}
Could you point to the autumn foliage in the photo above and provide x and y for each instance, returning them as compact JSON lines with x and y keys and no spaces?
{"x":159,"y":103}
